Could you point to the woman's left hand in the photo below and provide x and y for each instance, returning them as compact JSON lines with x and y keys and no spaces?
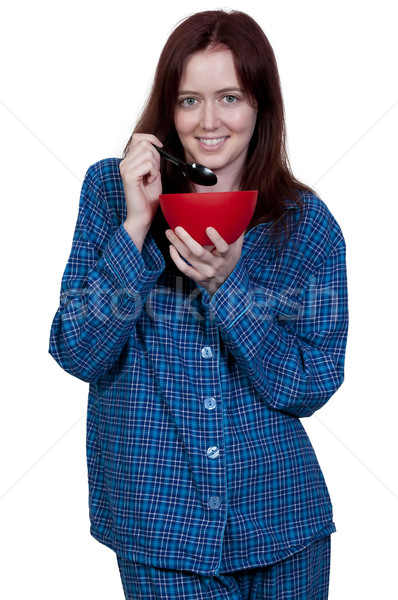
{"x":209,"y":266}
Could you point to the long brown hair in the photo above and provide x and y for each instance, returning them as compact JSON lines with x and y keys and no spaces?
{"x":267,"y":169}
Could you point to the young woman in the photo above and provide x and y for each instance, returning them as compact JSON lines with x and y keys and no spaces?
{"x":202,"y":360}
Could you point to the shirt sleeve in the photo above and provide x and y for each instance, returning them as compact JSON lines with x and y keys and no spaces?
{"x":291,"y":347}
{"x":103,"y":288}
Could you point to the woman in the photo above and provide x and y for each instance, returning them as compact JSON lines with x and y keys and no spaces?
{"x":201,"y":360}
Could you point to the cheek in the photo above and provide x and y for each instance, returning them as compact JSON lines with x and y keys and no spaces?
{"x":242,"y":123}
{"x":183,"y":123}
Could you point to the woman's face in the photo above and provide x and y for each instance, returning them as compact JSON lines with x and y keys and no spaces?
{"x":213,"y":118}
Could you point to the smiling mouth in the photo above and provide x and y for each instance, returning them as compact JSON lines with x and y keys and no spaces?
{"x":212,"y":142}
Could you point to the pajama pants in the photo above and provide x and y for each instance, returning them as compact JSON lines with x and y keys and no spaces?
{"x":303,"y":576}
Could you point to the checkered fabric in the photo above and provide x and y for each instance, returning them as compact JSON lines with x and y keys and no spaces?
{"x":197,"y":457}
{"x":303,"y":576}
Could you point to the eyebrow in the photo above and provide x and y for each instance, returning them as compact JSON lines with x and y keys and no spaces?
{"x":223,"y":90}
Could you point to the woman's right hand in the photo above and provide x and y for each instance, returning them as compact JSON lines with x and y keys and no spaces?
{"x":140,"y":171}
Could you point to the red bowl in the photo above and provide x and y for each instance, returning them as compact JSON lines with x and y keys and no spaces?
{"x":228,"y":212}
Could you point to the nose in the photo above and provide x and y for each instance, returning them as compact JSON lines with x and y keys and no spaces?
{"x":209,"y":117}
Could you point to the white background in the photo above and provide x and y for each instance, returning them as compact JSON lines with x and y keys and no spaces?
{"x":73,"y":78}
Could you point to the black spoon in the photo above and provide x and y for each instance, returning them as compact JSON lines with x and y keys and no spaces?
{"x":195,"y":172}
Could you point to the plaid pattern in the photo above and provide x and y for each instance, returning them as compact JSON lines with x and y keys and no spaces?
{"x":303,"y":576}
{"x":197,"y":458}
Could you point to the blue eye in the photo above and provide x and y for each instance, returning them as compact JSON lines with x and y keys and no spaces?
{"x":230,"y":99}
{"x":187,"y":102}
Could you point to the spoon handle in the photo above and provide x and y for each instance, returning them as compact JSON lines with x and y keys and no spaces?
{"x":169,"y":157}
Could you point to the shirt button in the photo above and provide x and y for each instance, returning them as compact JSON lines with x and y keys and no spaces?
{"x":213,"y":452}
{"x":210,"y":403}
{"x":214,"y":502}
{"x":207,"y":352}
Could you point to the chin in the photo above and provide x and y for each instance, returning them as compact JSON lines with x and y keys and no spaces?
{"x":215,"y":163}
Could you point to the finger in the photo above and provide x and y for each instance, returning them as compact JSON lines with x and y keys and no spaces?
{"x":140,"y":149}
{"x":175,"y":240}
{"x":145,"y":137}
{"x":183,"y":242}
{"x":144,"y":161}
{"x":177,"y":244}
{"x":145,"y":171}
{"x":219,"y":243}
{"x":184,"y":267}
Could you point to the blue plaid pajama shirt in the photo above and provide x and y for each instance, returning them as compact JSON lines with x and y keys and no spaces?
{"x":197,"y":458}
{"x":302,"y":576}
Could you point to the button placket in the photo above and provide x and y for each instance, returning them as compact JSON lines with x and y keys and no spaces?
{"x":210,"y":402}
{"x":214,"y":430}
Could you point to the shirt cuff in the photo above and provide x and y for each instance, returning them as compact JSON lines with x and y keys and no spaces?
{"x":136,"y":273}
